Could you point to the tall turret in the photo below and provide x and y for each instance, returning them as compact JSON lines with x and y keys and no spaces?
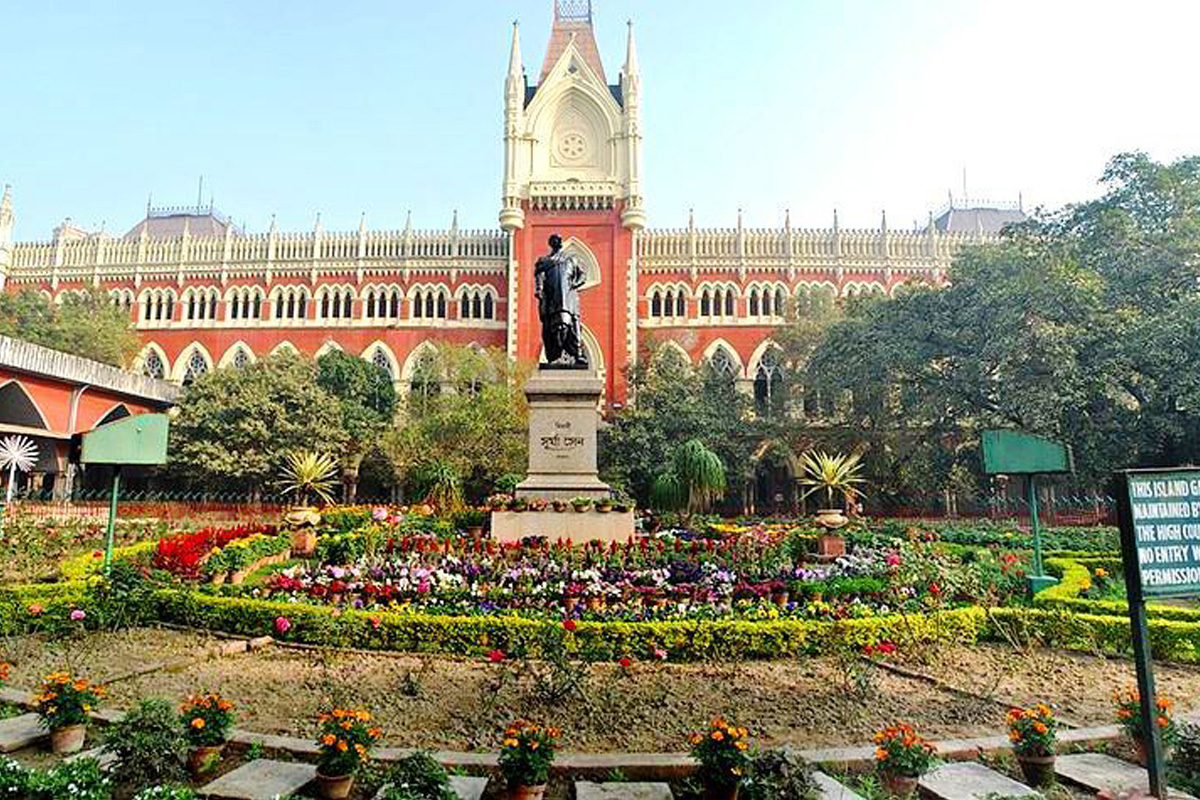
{"x":6,"y":226}
{"x":634,"y":216}
{"x":512,"y":216}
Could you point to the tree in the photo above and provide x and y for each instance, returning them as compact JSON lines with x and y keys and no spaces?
{"x":465,"y":413}
{"x":88,"y":325}
{"x":695,"y":480}
{"x":674,"y":402}
{"x":236,"y":426}
{"x":366,"y":398}
{"x":1080,"y":325}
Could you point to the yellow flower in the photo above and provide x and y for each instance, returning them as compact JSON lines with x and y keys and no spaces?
{"x":198,"y":723}
{"x":341,"y":745}
{"x":510,"y":742}
{"x":880,"y":754}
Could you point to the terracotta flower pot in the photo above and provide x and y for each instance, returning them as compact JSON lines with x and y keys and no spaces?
{"x":716,"y":792}
{"x":830,"y":545}
{"x":781,"y":598}
{"x":900,"y":786}
{"x":527,"y":792}
{"x":203,"y":760}
{"x":831,"y":518}
{"x":334,"y":787}
{"x":68,"y":739}
{"x":304,"y":542}
{"x":1038,"y":770}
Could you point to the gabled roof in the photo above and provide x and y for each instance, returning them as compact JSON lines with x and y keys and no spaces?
{"x":565,"y":29}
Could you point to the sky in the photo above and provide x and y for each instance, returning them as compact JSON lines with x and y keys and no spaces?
{"x":299,"y":107}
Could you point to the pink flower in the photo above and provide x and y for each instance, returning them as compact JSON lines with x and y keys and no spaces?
{"x":379,"y":513}
{"x":283,"y":624}
{"x":496,"y":656}
{"x":78,"y":614}
{"x":893,"y":559}
{"x":569,"y":624}
{"x":660,"y":654}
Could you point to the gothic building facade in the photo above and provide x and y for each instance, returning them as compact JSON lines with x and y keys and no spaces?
{"x":205,"y":295}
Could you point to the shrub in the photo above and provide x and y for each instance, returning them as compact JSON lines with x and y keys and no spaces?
{"x":418,"y":777}
{"x":120,"y":600}
{"x":1032,"y":731}
{"x":721,"y":753}
{"x":527,"y":753}
{"x":66,"y":701}
{"x":81,"y":779}
{"x":14,"y":779}
{"x":1185,"y":760}
{"x":345,"y":741}
{"x":900,"y":751}
{"x":774,"y":774}
{"x":166,"y":793}
{"x":206,"y":719}
{"x":149,"y":745}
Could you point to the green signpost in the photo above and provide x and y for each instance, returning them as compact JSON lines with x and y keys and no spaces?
{"x":138,"y":440}
{"x":1015,"y":453}
{"x":1159,"y":515}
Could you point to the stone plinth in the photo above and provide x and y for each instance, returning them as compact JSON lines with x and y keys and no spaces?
{"x":563,"y":420}
{"x":580,"y":526}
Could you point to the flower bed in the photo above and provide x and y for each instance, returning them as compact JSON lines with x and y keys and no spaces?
{"x":743,"y":576}
{"x":184,"y":554}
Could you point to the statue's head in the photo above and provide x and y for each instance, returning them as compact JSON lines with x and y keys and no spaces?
{"x":555,"y":242}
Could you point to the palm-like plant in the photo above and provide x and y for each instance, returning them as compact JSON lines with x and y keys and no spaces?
{"x":307,"y":474}
{"x":16,"y":453}
{"x":840,"y":473}
{"x":441,"y":485}
{"x":694,"y":482}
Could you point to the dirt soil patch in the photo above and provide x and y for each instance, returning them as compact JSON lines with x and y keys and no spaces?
{"x":461,"y":704}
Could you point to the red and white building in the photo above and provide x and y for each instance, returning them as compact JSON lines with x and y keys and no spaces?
{"x":205,"y":295}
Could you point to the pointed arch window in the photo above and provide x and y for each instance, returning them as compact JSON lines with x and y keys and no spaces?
{"x":723,"y":365}
{"x":754,"y":309}
{"x":380,"y":359}
{"x":153,"y":366}
{"x":706,"y":304}
{"x":241,"y":358}
{"x":197,"y":365}
{"x":769,"y":384}
{"x":656,"y":304}
{"x":395,"y":309}
{"x":729,"y":303}
{"x":489,"y":307}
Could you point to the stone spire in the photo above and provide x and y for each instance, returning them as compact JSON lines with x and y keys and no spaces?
{"x":515,"y":71}
{"x":6,"y":226}
{"x":631,"y":62}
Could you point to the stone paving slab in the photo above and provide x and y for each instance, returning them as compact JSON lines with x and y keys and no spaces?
{"x":970,"y":780}
{"x":17,"y":733}
{"x":830,"y":789}
{"x":261,"y":779}
{"x":1099,"y":772}
{"x":621,"y":791}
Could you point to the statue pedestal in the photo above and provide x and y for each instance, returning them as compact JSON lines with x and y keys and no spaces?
{"x":563,"y":419}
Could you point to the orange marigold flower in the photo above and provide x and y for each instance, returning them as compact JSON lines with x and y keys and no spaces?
{"x":510,"y":742}
{"x":880,"y":754}
{"x":328,"y":739}
{"x":1040,"y":727}
{"x":198,"y":723}
{"x":341,"y":745}
{"x":1163,"y":722}
{"x":717,"y":736}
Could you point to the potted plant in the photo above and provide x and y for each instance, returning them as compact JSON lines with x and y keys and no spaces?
{"x":472,"y":520}
{"x":63,"y":706}
{"x":1033,"y":733}
{"x":901,"y":758}
{"x":1129,"y":716}
{"x":538,"y":504}
{"x":723,"y":755}
{"x":307,"y":475}
{"x":500,"y":501}
{"x":581,"y":504}
{"x":344,"y":742}
{"x":561,"y":505}
{"x":525,"y":758}
{"x":206,"y":720}
{"x":604,"y":505}
{"x":831,"y":474}
{"x":519,"y":504}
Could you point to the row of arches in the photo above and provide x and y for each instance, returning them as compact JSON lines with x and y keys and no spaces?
{"x":160,"y":305}
{"x":723,"y":300}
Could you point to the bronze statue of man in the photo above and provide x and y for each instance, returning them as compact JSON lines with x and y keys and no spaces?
{"x":556,"y":279}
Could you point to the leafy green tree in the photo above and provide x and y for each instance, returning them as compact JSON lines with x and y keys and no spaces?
{"x":672,"y":403}
{"x":236,"y":427}
{"x":366,"y":397}
{"x":694,"y":481}
{"x":465,"y":413}
{"x":1080,"y":325}
{"x":90,"y":325}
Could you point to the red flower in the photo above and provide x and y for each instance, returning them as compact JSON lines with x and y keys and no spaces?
{"x":376,"y":622}
{"x":625,"y":662}
{"x":934,"y":589}
{"x":569,"y":624}
{"x":496,"y":656}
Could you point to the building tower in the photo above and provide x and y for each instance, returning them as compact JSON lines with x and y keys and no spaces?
{"x":572,"y":166}
{"x":6,"y":226}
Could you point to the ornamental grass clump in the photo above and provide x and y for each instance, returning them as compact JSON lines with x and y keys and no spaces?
{"x":723,"y":754}
{"x":345,"y":741}
{"x":526,"y":753}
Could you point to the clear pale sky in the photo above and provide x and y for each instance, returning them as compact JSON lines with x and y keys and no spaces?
{"x":298,"y":107}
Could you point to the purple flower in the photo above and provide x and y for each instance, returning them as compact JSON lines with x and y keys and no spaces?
{"x":78,"y":614}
